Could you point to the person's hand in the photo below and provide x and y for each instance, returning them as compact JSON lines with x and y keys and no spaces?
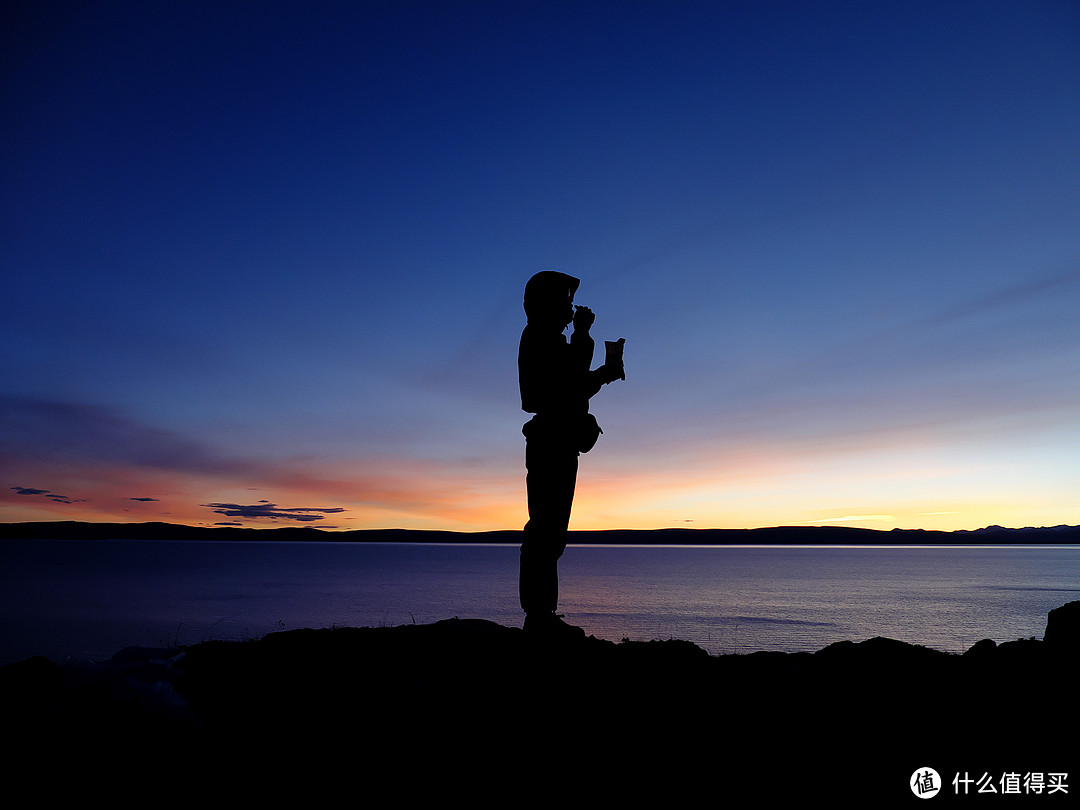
{"x":583,"y":318}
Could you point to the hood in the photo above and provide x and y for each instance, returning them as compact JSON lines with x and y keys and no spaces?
{"x":546,"y":294}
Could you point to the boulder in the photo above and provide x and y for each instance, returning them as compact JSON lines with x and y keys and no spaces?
{"x":1063,"y":628}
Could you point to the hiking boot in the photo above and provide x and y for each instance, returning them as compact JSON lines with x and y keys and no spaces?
{"x":551,"y":625}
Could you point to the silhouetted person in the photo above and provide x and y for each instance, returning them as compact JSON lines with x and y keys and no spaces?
{"x":556,"y":385}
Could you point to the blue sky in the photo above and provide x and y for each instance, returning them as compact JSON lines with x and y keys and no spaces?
{"x":271,"y":255}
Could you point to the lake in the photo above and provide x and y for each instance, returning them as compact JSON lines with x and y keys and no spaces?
{"x":87,"y":599}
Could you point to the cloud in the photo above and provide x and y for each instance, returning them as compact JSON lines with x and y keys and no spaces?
{"x":52,"y":496}
{"x":1014,"y":295}
{"x":850,"y":518}
{"x":103,"y":455}
{"x":71,"y":431}
{"x":144,"y":499}
{"x":265,"y":509}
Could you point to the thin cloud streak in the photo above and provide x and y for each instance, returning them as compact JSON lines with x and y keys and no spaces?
{"x":853,"y":518}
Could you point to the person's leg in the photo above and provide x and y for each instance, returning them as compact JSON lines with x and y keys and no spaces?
{"x":550,"y":481}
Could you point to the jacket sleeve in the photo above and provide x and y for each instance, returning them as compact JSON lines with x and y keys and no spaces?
{"x":588,"y":382}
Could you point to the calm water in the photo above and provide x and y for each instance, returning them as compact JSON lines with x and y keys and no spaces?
{"x":88,"y":599}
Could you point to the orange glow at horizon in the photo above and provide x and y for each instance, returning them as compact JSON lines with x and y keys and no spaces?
{"x":884,"y":494}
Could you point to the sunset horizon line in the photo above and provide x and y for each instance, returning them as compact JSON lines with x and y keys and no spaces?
{"x":810,"y":525}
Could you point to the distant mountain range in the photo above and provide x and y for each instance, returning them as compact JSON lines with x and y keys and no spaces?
{"x":778,"y":535}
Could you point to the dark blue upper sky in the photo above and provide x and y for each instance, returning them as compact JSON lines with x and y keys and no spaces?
{"x":274,"y":252}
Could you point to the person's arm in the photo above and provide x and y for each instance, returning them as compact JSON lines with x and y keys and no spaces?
{"x":582,"y":346}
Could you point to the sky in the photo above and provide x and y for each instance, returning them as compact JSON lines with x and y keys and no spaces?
{"x":263,"y":261}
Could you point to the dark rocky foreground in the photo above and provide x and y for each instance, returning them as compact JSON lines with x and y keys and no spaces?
{"x":469,"y":708}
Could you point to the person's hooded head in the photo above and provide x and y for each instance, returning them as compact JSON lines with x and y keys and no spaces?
{"x":549,"y":299}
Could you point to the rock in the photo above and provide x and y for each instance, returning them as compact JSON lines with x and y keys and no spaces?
{"x":28,"y":688}
{"x":461,"y":694}
{"x":879,"y":651}
{"x":981,"y":649}
{"x":1063,"y":629}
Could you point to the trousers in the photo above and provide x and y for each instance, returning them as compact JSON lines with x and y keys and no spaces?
{"x":551,"y":475}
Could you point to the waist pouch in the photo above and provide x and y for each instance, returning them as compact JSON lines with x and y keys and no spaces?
{"x":579,"y":431}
